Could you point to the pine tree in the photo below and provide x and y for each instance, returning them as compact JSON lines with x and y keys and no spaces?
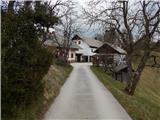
{"x":24,"y":61}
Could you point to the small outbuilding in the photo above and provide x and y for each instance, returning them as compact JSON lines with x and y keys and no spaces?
{"x":110,"y":53}
{"x":112,"y":57}
{"x":120,"y":73}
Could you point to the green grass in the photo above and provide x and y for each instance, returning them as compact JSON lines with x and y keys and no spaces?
{"x":145,"y":104}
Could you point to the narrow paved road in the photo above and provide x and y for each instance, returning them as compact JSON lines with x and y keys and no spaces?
{"x":84,"y":97}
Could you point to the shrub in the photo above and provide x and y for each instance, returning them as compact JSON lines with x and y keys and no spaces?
{"x":61,"y":62}
{"x":24,"y":63}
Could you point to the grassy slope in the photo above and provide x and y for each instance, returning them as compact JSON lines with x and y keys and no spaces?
{"x":145,"y":104}
{"x":54,"y":80}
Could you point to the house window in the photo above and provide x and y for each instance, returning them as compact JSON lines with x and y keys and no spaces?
{"x":92,"y":50}
{"x":72,"y":55}
{"x":79,"y":42}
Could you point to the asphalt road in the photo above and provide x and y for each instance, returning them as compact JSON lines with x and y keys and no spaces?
{"x":83,"y":97}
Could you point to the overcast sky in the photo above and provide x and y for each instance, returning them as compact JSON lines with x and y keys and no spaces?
{"x":84,"y":27}
{"x":86,"y":31}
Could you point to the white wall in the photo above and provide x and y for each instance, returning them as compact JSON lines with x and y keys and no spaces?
{"x":86,"y":50}
{"x":69,"y":55}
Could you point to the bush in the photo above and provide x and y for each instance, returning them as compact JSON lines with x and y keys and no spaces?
{"x":24,"y":63}
{"x":60,"y":62}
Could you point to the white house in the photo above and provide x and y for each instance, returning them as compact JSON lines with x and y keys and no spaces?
{"x":88,"y":46}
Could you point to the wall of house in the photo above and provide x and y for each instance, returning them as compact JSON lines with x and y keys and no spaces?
{"x":86,"y":50}
{"x":72,"y":55}
{"x":78,"y":42}
{"x":119,"y":59}
{"x":121,"y":76}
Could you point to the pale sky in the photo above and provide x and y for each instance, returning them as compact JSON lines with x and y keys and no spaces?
{"x":84,"y":27}
{"x":82,"y":4}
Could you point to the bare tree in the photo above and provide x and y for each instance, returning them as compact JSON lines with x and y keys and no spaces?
{"x":110,"y":35}
{"x":140,"y":19}
{"x":68,"y":27}
{"x":99,"y":36}
{"x":47,"y":15}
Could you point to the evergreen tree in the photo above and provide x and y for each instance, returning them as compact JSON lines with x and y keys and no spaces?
{"x":24,"y":61}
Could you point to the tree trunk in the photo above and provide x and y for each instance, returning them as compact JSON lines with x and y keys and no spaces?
{"x":130,"y":89}
{"x":66,"y":51}
{"x":129,"y":64}
{"x":134,"y":83}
